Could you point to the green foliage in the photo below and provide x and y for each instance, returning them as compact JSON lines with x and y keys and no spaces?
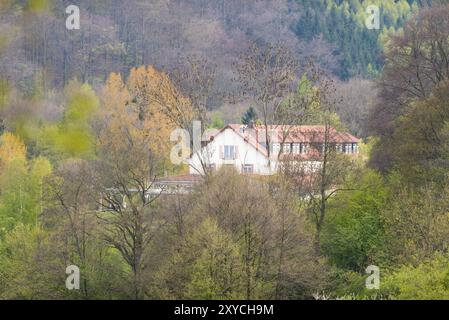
{"x":234,"y":237}
{"x":72,"y":136}
{"x":420,"y":139}
{"x":4,"y":92}
{"x":354,"y":235}
{"x":21,"y":192}
{"x":343,"y":23}
{"x":303,"y":104}
{"x":38,"y":5}
{"x":16,"y":203}
{"x":350,"y":285}
{"x":216,"y":272}
{"x":217,"y":122}
{"x":417,"y":220}
{"x":428,"y":280}
{"x":23,"y":274}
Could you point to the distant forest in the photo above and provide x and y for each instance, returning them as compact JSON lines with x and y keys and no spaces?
{"x":117,"y":35}
{"x":39,"y":55}
{"x":86,"y":124}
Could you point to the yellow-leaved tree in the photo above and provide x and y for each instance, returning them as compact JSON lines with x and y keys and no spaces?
{"x":11,"y":147}
{"x":133,"y":130}
{"x":148,"y":105}
{"x":21,"y":184}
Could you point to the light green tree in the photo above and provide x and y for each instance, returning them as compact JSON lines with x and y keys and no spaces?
{"x":216,"y":272}
{"x":72,"y":135}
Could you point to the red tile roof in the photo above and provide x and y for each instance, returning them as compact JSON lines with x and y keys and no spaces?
{"x":289,"y":134}
{"x":306,"y":133}
{"x":249,"y":137}
{"x":312,"y":154}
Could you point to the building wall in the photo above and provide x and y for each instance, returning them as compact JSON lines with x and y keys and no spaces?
{"x":245,"y":154}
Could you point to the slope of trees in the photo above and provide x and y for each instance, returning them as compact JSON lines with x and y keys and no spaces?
{"x":343,"y":24}
{"x":86,"y":124}
{"x":416,"y":63}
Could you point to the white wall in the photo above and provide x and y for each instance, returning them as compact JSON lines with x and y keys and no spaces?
{"x":247,"y":154}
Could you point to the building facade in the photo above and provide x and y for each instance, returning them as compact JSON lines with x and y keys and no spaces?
{"x":245,"y":148}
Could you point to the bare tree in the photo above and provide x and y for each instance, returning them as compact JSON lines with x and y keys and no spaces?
{"x":71,"y":195}
{"x":321,"y":174}
{"x":125,"y":171}
{"x":415,"y":61}
{"x":267,"y":75}
{"x":128,"y":213}
{"x":197,"y":81}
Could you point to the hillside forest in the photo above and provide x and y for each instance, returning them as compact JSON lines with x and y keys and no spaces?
{"x":86,"y":117}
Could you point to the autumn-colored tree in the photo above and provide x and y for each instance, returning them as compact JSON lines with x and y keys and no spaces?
{"x":133,"y":139}
{"x":10,"y":147}
{"x":23,"y":272}
{"x":150,"y":100}
{"x":156,"y":97}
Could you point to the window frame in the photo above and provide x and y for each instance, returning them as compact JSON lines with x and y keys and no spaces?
{"x":285,"y":146}
{"x":276,"y":147}
{"x":247,"y":165}
{"x":296,"y":148}
{"x":304,"y":147}
{"x":232,"y":155}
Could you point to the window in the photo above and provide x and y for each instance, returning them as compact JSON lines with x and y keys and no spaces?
{"x":355,"y":148}
{"x":348,"y":148}
{"x":296,"y":148}
{"x":286,"y":148}
{"x":229,"y":152}
{"x":248,"y":168}
{"x":304,"y":148}
{"x":339,"y":147}
{"x":276,"y":148}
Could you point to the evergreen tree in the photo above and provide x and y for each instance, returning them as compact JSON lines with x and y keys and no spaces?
{"x":249,"y":115}
{"x":343,"y":24}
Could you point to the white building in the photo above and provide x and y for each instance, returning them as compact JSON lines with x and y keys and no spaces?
{"x":244,"y":147}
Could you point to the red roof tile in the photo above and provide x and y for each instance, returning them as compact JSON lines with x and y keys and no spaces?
{"x":290,"y":134}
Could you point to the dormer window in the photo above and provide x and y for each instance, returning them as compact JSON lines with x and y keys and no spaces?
{"x":348,"y":148}
{"x":296,"y":148}
{"x":286,"y":148}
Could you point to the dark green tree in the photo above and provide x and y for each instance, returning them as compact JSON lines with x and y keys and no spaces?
{"x":249,"y":115}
